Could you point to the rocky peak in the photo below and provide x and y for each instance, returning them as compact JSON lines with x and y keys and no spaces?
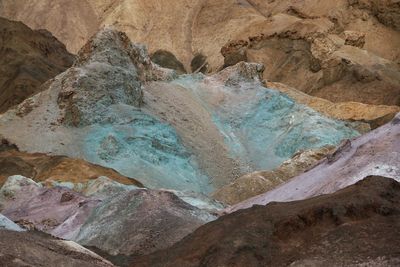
{"x":109,"y":70}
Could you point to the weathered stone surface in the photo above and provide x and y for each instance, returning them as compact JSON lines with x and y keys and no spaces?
{"x":58,"y":211}
{"x":374,"y":115}
{"x":115,"y":218}
{"x":41,"y":167}
{"x":375,"y":153}
{"x":256,"y":183}
{"x":140,"y":222}
{"x":307,"y":56}
{"x":38,"y":249}
{"x":28,"y":58}
{"x":168,"y":60}
{"x":357,"y":226}
{"x":192,"y":133}
{"x":204,"y":26}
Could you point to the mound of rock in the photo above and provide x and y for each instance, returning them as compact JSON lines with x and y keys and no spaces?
{"x":375,"y":153}
{"x":357,"y":226}
{"x":42,"y":167}
{"x":28,"y":58}
{"x":113,"y":218}
{"x":116,"y":108}
{"x":38,"y":249}
{"x":256,"y":183}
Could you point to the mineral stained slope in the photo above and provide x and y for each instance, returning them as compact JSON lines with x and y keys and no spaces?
{"x":108,"y":109}
{"x":375,"y":153}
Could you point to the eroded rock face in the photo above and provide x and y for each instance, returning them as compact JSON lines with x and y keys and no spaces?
{"x":140,"y":222}
{"x":190,"y":133}
{"x":114,"y":218}
{"x":358,"y":225}
{"x":363,"y":114}
{"x":168,"y":60}
{"x":204,"y":26}
{"x":28,"y":58}
{"x":307,"y":56}
{"x":38,"y":249}
{"x":375,"y":153}
{"x":256,"y":183}
{"x":41,"y":167}
{"x":58,"y":211}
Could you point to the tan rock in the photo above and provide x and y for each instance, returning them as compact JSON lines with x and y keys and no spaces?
{"x":375,"y":115}
{"x":42,"y":167}
{"x":354,"y":38}
{"x":256,"y":183}
{"x":186,"y":27}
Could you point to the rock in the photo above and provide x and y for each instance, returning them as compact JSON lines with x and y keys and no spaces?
{"x":91,"y":111}
{"x":42,"y":168}
{"x":58,"y":211}
{"x":167,"y":60}
{"x":234,"y":52}
{"x":256,"y":183}
{"x":140,"y":222}
{"x":387,"y":12}
{"x":257,"y":123}
{"x":199,"y":63}
{"x":307,"y":56}
{"x":206,"y":26}
{"x":354,"y":38}
{"x":375,"y":153}
{"x":7,"y":224}
{"x":28,"y":58}
{"x":374,"y":115}
{"x":191,"y":133}
{"x":38,"y":249}
{"x":356,"y":226}
{"x":109,"y":217}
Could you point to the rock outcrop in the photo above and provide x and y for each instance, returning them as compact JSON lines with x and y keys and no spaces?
{"x":38,"y":249}
{"x":28,"y":58}
{"x":140,"y":222}
{"x":187,"y":28}
{"x":374,"y":115}
{"x":116,"y":108}
{"x":375,"y":153}
{"x":256,"y":183}
{"x":45,"y":168}
{"x":357,"y":226}
{"x":305,"y":55}
{"x":103,"y":214}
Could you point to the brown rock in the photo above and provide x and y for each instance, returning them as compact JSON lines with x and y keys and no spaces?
{"x":37,"y":249}
{"x":28,"y":58}
{"x":41,"y":167}
{"x":354,"y":38}
{"x":374,"y":115}
{"x":357,"y":226}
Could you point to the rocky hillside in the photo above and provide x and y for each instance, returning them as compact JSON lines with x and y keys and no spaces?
{"x":116,"y":108}
{"x":200,"y":133}
{"x":28,"y":58}
{"x":357,"y":226}
{"x":343,"y":51}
